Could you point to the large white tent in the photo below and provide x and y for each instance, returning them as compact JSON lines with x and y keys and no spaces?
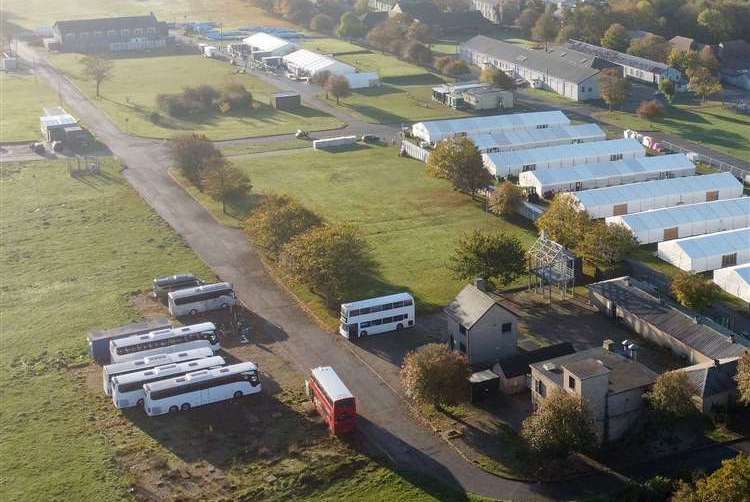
{"x":310,"y":63}
{"x":263,"y":42}
{"x":588,"y":176}
{"x":522,"y":139}
{"x":685,"y":221}
{"x":646,"y":195}
{"x":551,"y":157}
{"x":707,"y":252}
{"x":734,"y":280}
{"x":435,"y":130}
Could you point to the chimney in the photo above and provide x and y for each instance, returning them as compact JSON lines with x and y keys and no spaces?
{"x":480,"y":283}
{"x":608,"y":345}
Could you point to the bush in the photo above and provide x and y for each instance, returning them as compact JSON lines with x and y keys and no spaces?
{"x":417,"y":53}
{"x":693,"y":291}
{"x":236,"y":98}
{"x":205,"y":99}
{"x":505,"y":199}
{"x":194,"y":155}
{"x":277,"y":221}
{"x":322,"y":23}
{"x":154,"y":117}
{"x":435,"y":374}
{"x":650,"y":110}
{"x":671,"y":396}
{"x":448,"y":65}
{"x":560,"y":426}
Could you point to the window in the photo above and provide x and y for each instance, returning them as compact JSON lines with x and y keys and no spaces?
{"x":729,"y":260}
{"x":83,"y":34}
{"x":590,"y":89}
{"x":462,"y":347}
{"x":507,"y":327}
{"x":528,"y":167}
{"x":151,"y":30}
{"x":125,"y":33}
{"x":138,"y":32}
{"x":571,"y":382}
{"x":542,"y":126}
{"x":615,"y":156}
{"x":98,"y":34}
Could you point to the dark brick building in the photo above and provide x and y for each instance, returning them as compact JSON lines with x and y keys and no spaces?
{"x":112,"y":34}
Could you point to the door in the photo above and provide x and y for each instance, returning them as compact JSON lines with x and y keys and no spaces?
{"x":353,"y":330}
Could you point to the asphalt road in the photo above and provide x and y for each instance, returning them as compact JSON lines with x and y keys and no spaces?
{"x":385,"y":419}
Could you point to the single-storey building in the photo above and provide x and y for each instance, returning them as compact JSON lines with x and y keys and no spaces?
{"x":514,"y":371}
{"x":481,"y":328}
{"x":286,"y":100}
{"x":713,"y":383}
{"x":110,"y":34}
{"x":634,"y":304}
{"x":609,"y":383}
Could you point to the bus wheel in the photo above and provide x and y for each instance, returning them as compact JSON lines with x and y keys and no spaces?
{"x":193,"y":312}
{"x":399,"y":327}
{"x":363,"y":333}
{"x":238,"y":394}
{"x":185,"y":406}
{"x":139,"y":402}
{"x":173,"y":409}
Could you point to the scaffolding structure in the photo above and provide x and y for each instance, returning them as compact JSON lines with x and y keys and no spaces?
{"x":550,"y":265}
{"x":82,"y":165}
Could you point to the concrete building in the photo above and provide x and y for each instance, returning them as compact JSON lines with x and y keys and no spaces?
{"x":514,"y":372}
{"x":480,"y":328}
{"x":610,"y":384}
{"x":635,"y":304}
{"x":570,"y":74}
{"x":714,"y":384}
{"x":111,"y":34}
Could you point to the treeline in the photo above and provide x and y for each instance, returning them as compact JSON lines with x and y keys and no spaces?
{"x":204,"y":99}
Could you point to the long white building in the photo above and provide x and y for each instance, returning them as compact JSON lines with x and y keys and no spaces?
{"x":656,"y":194}
{"x":701,"y":253}
{"x":734,"y":280}
{"x":269,"y":44}
{"x":512,"y":163}
{"x":584,"y":177}
{"x":688,"y":220}
{"x":433,"y":131}
{"x":523,"y":139}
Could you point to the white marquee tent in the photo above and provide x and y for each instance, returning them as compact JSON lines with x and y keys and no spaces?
{"x":435,"y":130}
{"x":263,"y":42}
{"x":522,"y":139}
{"x":707,"y":252}
{"x":551,"y":157}
{"x":685,"y":221}
{"x":734,"y":280}
{"x":310,"y":63}
{"x":588,"y":176}
{"x":646,"y":195}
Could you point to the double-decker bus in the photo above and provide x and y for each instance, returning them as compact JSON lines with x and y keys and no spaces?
{"x":333,"y":400}
{"x":99,"y":339}
{"x":192,"y":301}
{"x":377,"y":315}
{"x":163,"y":285}
{"x":139,"y":346}
{"x":112,"y":370}
{"x":127,"y":390}
{"x":201,"y":387}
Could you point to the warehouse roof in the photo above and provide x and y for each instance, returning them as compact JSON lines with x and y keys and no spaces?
{"x":106,"y":23}
{"x":619,"y":58}
{"x":627,"y":294}
{"x":265,"y":42}
{"x":715,"y":244}
{"x":688,"y":213}
{"x":531,"y":138}
{"x":438,"y":129}
{"x":568,"y":151}
{"x":575,"y":69}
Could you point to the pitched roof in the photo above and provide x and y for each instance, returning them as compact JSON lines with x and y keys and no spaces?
{"x":620,"y":58}
{"x":106,"y":23}
{"x":470,"y":305}
{"x":571,"y":70}
{"x":519,"y":364}
{"x":682,"y":43}
{"x":627,"y":294}
{"x":714,"y":377}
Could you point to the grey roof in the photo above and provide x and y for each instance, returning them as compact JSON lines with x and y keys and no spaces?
{"x":624,"y":374}
{"x":519,"y":364}
{"x":470,"y":305}
{"x":587,"y":368}
{"x":106,"y":23}
{"x":699,"y":336}
{"x":572,"y":66}
{"x":620,"y":58}
{"x":711,"y":378}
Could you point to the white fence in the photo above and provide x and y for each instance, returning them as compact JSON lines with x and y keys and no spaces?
{"x":414,"y":151}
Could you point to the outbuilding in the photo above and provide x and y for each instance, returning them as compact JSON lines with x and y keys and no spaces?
{"x":488,"y":98}
{"x":688,"y":220}
{"x":286,"y":100}
{"x":701,"y":253}
{"x":714,"y":384}
{"x":503,"y":164}
{"x":584,"y":177}
{"x":656,"y":194}
{"x":734,"y":280}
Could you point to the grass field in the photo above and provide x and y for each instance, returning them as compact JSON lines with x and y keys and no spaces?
{"x":129,"y":98}
{"x":22,"y":97}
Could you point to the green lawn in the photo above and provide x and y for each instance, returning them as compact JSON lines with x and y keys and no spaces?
{"x":329,"y":45}
{"x":270,"y":146}
{"x":22,"y":97}
{"x":130,"y":98}
{"x":711,"y":125}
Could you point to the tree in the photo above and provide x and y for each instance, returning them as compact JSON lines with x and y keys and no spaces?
{"x":505,"y":199}
{"x":361,"y":7}
{"x":455,"y":67}
{"x":707,"y":60}
{"x":98,"y":69}
{"x":729,"y":483}
{"x":350,"y":27}
{"x":296,"y":11}
{"x":561,"y":425}
{"x":322,"y":23}
{"x":458,"y":160}
{"x":606,"y":245}
{"x":330,"y":259}
{"x":417,"y":53}
{"x":545,"y":29}
{"x":563,"y":222}
{"x":650,"y":110}
{"x":703,"y":83}
{"x":672,"y":396}
{"x":693,"y":291}
{"x":682,"y":60}
{"x":338,"y":86}
{"x":224,"y":181}
{"x":497,"y":78}
{"x":668,"y":88}
{"x":743,"y":379}
{"x":435,"y":374}
{"x":527,"y":20}
{"x":194,"y":154}
{"x":497,"y":257}
{"x":616,"y":38}
{"x":613,"y":87}
{"x":277,"y":221}
{"x":716,"y":23}
{"x":421,"y":32}
{"x":651,"y":47}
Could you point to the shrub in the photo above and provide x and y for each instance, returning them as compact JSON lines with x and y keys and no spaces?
{"x":650,"y":110}
{"x":561,"y":425}
{"x":194,"y":154}
{"x":435,"y":374}
{"x":671,"y":396}
{"x":505,"y":199}
{"x":693,"y":291}
{"x":322,"y":23}
{"x":236,"y":98}
{"x":417,"y":53}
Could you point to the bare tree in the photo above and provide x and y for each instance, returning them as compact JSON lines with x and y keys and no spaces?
{"x":98,"y":69}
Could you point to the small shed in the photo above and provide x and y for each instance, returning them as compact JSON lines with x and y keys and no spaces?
{"x":483,"y":384}
{"x":286,"y":100}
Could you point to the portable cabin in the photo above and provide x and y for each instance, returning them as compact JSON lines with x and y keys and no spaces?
{"x":286,"y":100}
{"x":734,"y":280}
{"x":701,"y":253}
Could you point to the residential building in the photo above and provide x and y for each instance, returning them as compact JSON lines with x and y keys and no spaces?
{"x":481,"y":328}
{"x":111,"y":34}
{"x":571,"y":75}
{"x":714,"y":384}
{"x":609,"y":383}
{"x":636,"y":305}
{"x":515,"y":371}
{"x":638,"y":68}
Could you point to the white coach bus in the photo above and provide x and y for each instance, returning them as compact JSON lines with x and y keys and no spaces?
{"x":200,"y":388}
{"x":127,"y":390}
{"x":112,"y":370}
{"x":193,"y":301}
{"x":377,"y":315}
{"x":163,"y":341}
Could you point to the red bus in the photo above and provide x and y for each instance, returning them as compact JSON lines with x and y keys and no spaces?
{"x":332,"y":399}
